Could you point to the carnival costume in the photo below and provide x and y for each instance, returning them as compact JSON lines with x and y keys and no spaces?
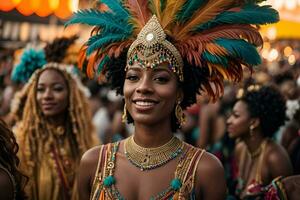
{"x":214,"y":38}
{"x":50,"y":155}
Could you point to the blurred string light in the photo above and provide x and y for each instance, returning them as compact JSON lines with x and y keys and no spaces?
{"x":61,"y":8}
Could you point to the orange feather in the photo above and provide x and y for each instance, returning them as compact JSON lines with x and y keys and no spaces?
{"x":206,"y":13}
{"x":82,"y":56}
{"x":216,"y":49}
{"x":139,"y":11}
{"x":91,"y":64}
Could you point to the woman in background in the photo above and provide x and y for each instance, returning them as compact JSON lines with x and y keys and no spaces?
{"x":256,"y":116}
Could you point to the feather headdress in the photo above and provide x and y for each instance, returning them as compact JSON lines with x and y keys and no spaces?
{"x":219,"y":35}
{"x":31,"y":60}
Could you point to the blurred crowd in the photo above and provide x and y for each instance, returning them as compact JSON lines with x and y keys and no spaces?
{"x":207,"y":122}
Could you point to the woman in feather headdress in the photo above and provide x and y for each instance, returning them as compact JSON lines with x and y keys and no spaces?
{"x":53,"y":126}
{"x":160,"y":54}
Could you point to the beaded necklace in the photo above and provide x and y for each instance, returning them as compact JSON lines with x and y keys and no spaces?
{"x":150,"y":158}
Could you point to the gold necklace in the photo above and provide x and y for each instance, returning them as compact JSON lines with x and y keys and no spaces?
{"x":257,"y":151}
{"x":150,"y":158}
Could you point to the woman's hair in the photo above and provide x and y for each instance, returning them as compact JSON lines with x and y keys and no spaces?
{"x":194,"y":77}
{"x":9,"y":160}
{"x":56,"y":51}
{"x":267,"y":104}
{"x":34,"y":125}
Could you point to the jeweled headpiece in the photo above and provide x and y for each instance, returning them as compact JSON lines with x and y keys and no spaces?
{"x":216,"y":36}
{"x":151,"y":48}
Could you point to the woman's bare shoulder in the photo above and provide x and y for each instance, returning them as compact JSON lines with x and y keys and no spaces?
{"x":211,"y":177}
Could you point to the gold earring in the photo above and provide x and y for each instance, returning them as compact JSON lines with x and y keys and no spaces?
{"x":124,"y":116}
{"x":251,"y":130}
{"x":180,"y":114}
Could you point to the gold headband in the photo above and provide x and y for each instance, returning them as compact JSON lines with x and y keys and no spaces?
{"x":151,"y":49}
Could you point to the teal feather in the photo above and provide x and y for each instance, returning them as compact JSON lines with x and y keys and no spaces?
{"x":104,"y":40}
{"x":215,"y":59}
{"x":96,"y":18}
{"x":163,"y":4}
{"x":102,"y":64}
{"x":30,"y":61}
{"x":249,"y":14}
{"x":117,"y":8}
{"x":240,"y":49}
{"x":188,"y":9}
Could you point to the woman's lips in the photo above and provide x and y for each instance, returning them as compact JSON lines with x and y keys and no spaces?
{"x":48,"y":106}
{"x":142,"y":105}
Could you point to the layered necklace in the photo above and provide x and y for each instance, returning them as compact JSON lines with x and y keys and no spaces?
{"x":150,"y":158}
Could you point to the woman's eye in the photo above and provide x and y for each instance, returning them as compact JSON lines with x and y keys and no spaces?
{"x":162,"y":79}
{"x":40,"y":89}
{"x":58,"y":89}
{"x":132,"y":77}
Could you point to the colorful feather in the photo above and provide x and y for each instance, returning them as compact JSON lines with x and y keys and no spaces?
{"x":117,"y":8}
{"x":157,"y":6}
{"x":250,"y":14}
{"x":104,"y":20}
{"x":240,"y":49}
{"x":101,"y":41}
{"x":206,"y":13}
{"x":170,"y":11}
{"x":188,"y":10}
{"x":30,"y":61}
{"x":139,"y":11}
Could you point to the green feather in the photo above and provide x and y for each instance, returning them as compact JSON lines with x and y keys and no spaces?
{"x":163,"y":4}
{"x":188,"y":9}
{"x":104,"y":40}
{"x":249,"y":14}
{"x":117,"y":8}
{"x":215,"y":59}
{"x":96,"y":18}
{"x":102,"y":63}
{"x":240,"y":49}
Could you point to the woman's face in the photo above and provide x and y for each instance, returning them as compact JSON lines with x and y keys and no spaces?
{"x":150,"y":94}
{"x":52,"y":93}
{"x":238,"y":123}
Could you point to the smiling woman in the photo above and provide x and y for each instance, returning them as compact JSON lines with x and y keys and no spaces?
{"x":160,"y":55}
{"x":53,"y":132}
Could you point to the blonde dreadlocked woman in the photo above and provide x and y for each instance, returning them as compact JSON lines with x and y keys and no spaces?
{"x":160,"y":55}
{"x":53,"y":132}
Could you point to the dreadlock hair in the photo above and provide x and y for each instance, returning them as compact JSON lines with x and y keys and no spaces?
{"x":56,"y":51}
{"x":194,"y":78}
{"x":268,"y":105}
{"x":10,"y":161}
{"x":34,"y":128}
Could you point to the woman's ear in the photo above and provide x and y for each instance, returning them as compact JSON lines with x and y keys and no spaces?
{"x":255,"y":122}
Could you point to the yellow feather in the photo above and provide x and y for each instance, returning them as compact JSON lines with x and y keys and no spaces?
{"x":206,"y":13}
{"x":220,"y":69}
{"x":155,"y":6}
{"x":170,"y":11}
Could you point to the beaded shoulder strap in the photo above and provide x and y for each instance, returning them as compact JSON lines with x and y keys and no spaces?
{"x":186,"y":170}
{"x":11,"y":179}
{"x":98,"y":174}
{"x":104,"y":173}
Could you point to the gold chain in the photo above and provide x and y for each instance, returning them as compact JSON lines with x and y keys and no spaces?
{"x":150,"y":158}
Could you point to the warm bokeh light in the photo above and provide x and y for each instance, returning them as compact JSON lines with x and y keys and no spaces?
{"x":287,"y":51}
{"x":292,"y":59}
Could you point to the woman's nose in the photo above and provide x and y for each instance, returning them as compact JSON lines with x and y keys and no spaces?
{"x":48,"y":93}
{"x":145,"y":85}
